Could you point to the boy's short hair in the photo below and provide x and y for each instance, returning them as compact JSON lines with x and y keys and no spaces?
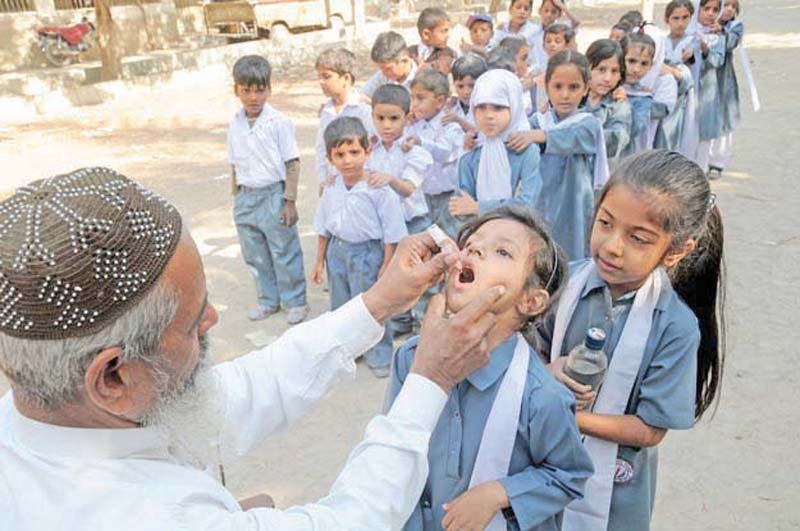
{"x":480,"y":17}
{"x":340,"y":60}
{"x":430,"y":17}
{"x":502,"y":58}
{"x":548,"y":265}
{"x":391,"y":94}
{"x":438,"y":52}
{"x":513,"y":45}
{"x":252,"y":70}
{"x":343,"y":130}
{"x":389,"y":47}
{"x":433,"y":81}
{"x":469,"y":65}
{"x":558,"y":29}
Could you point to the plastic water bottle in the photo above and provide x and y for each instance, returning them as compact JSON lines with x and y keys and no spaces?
{"x":587,"y":363}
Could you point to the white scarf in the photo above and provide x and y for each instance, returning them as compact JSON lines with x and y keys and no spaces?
{"x":748,"y":72}
{"x":497,"y":87}
{"x":500,"y":431}
{"x":591,"y":513}
{"x":547,"y":122}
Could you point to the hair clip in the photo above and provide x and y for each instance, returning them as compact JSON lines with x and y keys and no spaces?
{"x":712,"y":200}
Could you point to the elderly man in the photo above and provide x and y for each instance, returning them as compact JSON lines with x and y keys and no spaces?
{"x":115,"y":420}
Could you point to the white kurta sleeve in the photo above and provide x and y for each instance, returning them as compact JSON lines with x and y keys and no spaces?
{"x":269,"y":389}
{"x":378,"y":488}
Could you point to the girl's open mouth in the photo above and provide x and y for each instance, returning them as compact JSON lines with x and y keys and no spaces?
{"x":467,"y":275}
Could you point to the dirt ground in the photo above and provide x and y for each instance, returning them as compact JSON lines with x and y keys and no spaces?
{"x":736,"y":471}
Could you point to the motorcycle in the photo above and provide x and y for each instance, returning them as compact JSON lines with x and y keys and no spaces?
{"x":62,"y":44}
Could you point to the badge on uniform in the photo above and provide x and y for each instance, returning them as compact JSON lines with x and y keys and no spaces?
{"x":623,"y":472}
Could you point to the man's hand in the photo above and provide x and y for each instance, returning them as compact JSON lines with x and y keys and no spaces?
{"x":450,"y":349}
{"x":417,"y":265}
{"x":289,"y":213}
{"x":474,"y":509}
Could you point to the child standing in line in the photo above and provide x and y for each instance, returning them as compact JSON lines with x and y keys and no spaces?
{"x":607,"y":100}
{"x":709,"y":103}
{"x":265,"y":168}
{"x":652,"y":94}
{"x":681,"y":49}
{"x":550,"y":12}
{"x":573,"y":162}
{"x":518,"y":25}
{"x":506,"y":453}
{"x":654,"y":285}
{"x":433,"y":26}
{"x":733,"y":30}
{"x":492,"y":174}
{"x":395,"y":65}
{"x":466,"y":71}
{"x":557,"y":37}
{"x":519,"y":50}
{"x":358,"y":227}
{"x":429,"y":93}
{"x":481,"y":31}
{"x":336,"y":79}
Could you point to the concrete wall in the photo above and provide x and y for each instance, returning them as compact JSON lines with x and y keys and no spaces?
{"x":19,"y":48}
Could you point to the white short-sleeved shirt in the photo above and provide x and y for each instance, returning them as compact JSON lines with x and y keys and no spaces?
{"x":360,"y":213}
{"x":412,"y":166}
{"x":259,"y":153}
{"x":352,"y":107}
{"x":378,"y":80}
{"x":445,"y":144}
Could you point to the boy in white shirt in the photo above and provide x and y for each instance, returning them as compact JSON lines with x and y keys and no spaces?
{"x":265,"y":163}
{"x":335,"y":68}
{"x":433,"y":26}
{"x":358,"y":227}
{"x":402,"y":170}
{"x":395,"y":65}
{"x":430,"y":91}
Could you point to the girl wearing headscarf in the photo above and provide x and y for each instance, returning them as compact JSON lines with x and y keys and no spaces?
{"x":492,"y":174}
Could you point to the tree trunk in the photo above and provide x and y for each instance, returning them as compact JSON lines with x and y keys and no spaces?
{"x":152,"y":43}
{"x":107,"y":42}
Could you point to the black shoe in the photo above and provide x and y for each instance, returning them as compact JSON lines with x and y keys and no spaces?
{"x":714,"y":173}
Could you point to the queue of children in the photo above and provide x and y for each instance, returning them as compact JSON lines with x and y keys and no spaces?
{"x":514,"y":167}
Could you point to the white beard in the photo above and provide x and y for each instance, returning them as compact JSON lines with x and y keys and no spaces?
{"x":190,"y":416}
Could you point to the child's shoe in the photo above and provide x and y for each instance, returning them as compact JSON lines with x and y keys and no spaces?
{"x":297,"y":314}
{"x":259,"y":313}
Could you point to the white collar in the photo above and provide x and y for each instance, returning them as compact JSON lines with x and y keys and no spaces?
{"x":353,"y":100}
{"x":267,"y":114}
{"x":87,"y":443}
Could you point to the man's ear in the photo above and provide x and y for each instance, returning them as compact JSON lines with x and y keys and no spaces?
{"x":118,"y":387}
{"x":534,"y":301}
{"x":672,"y":258}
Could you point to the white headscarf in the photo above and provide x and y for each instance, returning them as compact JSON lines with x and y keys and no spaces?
{"x":498,"y":87}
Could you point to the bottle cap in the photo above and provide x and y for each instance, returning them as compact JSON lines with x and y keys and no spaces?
{"x":595,"y":338}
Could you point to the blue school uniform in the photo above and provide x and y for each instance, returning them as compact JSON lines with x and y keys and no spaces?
{"x":709,"y":109}
{"x":617,"y":120}
{"x":567,"y":196}
{"x":526,"y":180}
{"x":664,"y":391}
{"x":728,"y":85}
{"x":669,"y":134}
{"x":549,"y":466}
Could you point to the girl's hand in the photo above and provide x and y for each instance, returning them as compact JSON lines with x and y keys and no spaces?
{"x":703,"y":47}
{"x":584,"y":396}
{"x":473,"y":510}
{"x":619,"y":94}
{"x":451,"y":102}
{"x":715,"y":27}
{"x":463,"y":205}
{"x":377,"y":179}
{"x":317,"y":275}
{"x":522,"y":139}
{"x":451,"y":117}
{"x":687,"y":54}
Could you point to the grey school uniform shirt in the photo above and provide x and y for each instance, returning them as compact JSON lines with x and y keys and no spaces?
{"x":663,"y":393}
{"x":549,"y":466}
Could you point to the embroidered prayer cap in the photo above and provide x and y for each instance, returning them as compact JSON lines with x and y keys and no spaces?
{"x":78,"y":250}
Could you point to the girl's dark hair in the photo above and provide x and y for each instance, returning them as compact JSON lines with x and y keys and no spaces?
{"x":468,"y":65}
{"x":633,"y":17}
{"x":640,"y":39}
{"x":603,"y":49}
{"x":502,"y":58}
{"x":675,"y":4}
{"x":622,"y":25}
{"x":704,"y":2}
{"x":568,"y":57}
{"x":548,"y":265}
{"x":513,"y":45}
{"x":686,"y":210}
